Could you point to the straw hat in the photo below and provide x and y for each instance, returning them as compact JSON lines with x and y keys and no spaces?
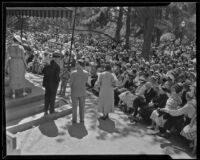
{"x":17,"y":38}
{"x":142,"y":79}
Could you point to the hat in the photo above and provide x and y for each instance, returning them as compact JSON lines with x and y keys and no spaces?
{"x":81,"y":61}
{"x":17,"y":38}
{"x":142,"y":79}
{"x":194,"y":60}
{"x":165,"y":89}
{"x":171,"y":77}
{"x":153,"y":78}
{"x":45,"y":53}
{"x":128,"y":65}
{"x":147,"y":63}
{"x":130,"y":74}
{"x":178,"y":88}
{"x":156,"y":73}
{"x":148,"y":85}
{"x":56,"y":55}
{"x":187,"y":83}
{"x":36,"y":53}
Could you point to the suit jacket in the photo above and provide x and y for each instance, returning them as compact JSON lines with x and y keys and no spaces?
{"x":78,"y":80}
{"x":51,"y":75}
{"x":150,"y":95}
{"x":160,"y":100}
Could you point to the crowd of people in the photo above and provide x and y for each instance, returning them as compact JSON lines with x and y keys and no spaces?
{"x":161,"y":90}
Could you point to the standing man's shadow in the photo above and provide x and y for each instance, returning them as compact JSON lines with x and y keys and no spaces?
{"x":107,"y":125}
{"x":49,"y":129}
{"x":77,"y":130}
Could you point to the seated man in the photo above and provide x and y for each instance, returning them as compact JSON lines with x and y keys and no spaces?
{"x":172,"y":103}
{"x":144,"y":97}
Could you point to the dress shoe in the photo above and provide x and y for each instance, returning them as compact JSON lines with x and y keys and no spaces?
{"x":102,"y":117}
{"x":107,"y":117}
{"x":45,"y":113}
{"x":150,"y":127}
{"x":82,"y":121}
{"x":165,"y":135}
{"x":51,"y":112}
{"x":74,"y":122}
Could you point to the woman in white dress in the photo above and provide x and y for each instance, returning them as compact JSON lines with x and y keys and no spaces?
{"x":106,"y":81}
{"x":17,"y":66}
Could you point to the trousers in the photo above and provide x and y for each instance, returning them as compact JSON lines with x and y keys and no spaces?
{"x":75,"y":102}
{"x":50,"y":96}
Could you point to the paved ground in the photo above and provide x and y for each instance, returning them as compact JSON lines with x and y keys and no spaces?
{"x":113,"y":136}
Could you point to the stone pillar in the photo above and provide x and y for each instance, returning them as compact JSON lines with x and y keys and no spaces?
{"x":11,"y":144}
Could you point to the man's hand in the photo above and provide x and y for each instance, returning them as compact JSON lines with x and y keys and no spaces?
{"x":151,"y":104}
{"x":164,"y":110}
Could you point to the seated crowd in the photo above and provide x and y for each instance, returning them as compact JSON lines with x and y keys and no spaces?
{"x":160,"y":91}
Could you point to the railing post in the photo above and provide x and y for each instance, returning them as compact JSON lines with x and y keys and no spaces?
{"x":72,"y":38}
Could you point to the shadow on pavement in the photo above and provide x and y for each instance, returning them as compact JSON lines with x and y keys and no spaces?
{"x":49,"y":129}
{"x":77,"y":130}
{"x":178,"y":145}
{"x":107,"y":125}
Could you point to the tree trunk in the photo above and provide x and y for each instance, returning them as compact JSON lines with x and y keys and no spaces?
{"x":119,"y":25}
{"x":148,"y":29}
{"x":128,"y":28}
{"x":158,"y":35}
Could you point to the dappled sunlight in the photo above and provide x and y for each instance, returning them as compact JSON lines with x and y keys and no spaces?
{"x":59,"y":140}
{"x":101,"y":135}
{"x":61,"y":133}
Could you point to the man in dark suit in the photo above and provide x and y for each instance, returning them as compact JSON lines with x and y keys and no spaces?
{"x":50,"y":82}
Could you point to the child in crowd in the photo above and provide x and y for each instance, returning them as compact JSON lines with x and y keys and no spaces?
{"x":65,"y":75}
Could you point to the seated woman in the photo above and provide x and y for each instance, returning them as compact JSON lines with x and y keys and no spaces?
{"x":173,"y":103}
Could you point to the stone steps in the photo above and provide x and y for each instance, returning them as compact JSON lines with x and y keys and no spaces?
{"x":20,"y":112}
{"x":37,"y":94}
{"x":28,"y":124}
{"x":34,"y":90}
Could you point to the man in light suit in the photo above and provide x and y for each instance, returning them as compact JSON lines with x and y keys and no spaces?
{"x":78,"y":80}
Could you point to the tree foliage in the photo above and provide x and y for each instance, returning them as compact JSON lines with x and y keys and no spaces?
{"x":120,"y":23}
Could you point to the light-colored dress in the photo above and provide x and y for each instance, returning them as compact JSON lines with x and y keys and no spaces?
{"x":106,"y":81}
{"x":17,"y":67}
{"x":127,"y":97}
{"x":190,"y":132}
